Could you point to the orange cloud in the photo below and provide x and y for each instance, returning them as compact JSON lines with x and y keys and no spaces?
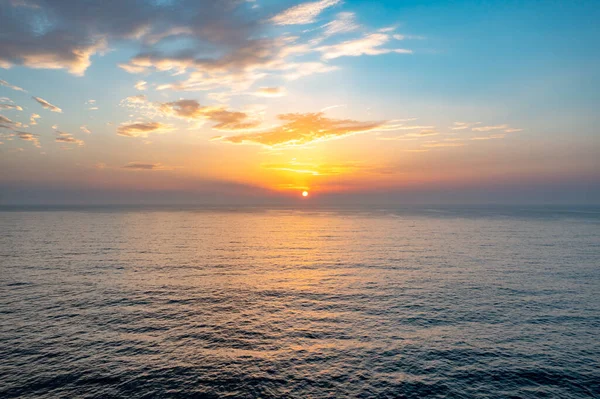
{"x":306,"y":128}
{"x":270,"y":92}
{"x":225,"y":120}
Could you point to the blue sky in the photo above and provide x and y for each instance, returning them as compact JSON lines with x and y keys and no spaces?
{"x":414,"y":95}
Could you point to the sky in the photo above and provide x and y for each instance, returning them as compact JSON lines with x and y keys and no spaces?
{"x":256,"y":101}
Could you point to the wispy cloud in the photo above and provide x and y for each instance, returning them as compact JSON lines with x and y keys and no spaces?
{"x":85,"y":129}
{"x":11,"y":106}
{"x":67,"y":138}
{"x":343,"y":23}
{"x":436,"y":145}
{"x":47,"y":105}
{"x":33,"y":119}
{"x":139,"y":99}
{"x":141,"y":85}
{"x":463,"y":125}
{"x":224,"y":119}
{"x":489,"y":128}
{"x":5,"y":120}
{"x":370,"y":44}
{"x":145,"y":166}
{"x":270,"y":92}
{"x":304,"y":13}
{"x":17,"y":88}
{"x":34,"y":138}
{"x":142,"y":129}
{"x":490,"y":137}
{"x":301,"y":129}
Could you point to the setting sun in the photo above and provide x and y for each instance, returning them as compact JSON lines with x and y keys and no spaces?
{"x":305,"y":193}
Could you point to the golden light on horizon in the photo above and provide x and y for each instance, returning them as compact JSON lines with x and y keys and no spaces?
{"x":305,"y":193}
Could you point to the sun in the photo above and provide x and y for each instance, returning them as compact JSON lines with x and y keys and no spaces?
{"x":305,"y":193}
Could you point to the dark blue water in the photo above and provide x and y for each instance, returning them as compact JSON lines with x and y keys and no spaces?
{"x":414,"y":303}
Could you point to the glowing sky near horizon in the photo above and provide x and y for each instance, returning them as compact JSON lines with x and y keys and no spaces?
{"x":266,"y":98}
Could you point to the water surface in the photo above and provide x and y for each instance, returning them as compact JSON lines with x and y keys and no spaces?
{"x":433,"y":302}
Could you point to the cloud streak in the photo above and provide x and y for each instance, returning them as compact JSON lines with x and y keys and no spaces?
{"x":145,"y":166}
{"x":47,"y":105}
{"x":142,"y":129}
{"x":11,"y":106}
{"x":368,"y":45}
{"x":6,"y":84}
{"x":304,"y":13}
{"x":67,"y":138}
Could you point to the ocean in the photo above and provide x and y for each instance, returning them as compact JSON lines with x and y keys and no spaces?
{"x":429,"y":302}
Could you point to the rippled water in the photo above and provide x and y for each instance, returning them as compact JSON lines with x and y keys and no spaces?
{"x":448,"y":303}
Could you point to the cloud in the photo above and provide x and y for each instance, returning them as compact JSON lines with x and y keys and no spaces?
{"x":34,"y":138}
{"x":139,"y":99}
{"x":301,"y":69}
{"x":301,"y":129}
{"x":192,"y":110}
{"x":142,"y":129}
{"x":343,"y":23}
{"x":144,"y":166}
{"x":63,"y":137}
{"x":367,"y":45}
{"x":426,"y":131}
{"x":66,"y":34}
{"x":303,"y":14}
{"x":5,"y":120}
{"x":489,"y":128}
{"x":270,"y":92}
{"x":47,"y":105}
{"x":332,"y":107}
{"x":85,"y":130}
{"x":463,"y":125}
{"x":436,"y":145}
{"x":490,"y":137}
{"x":5,"y":83}
{"x":513,"y":130}
{"x":10,"y":106}
{"x":141,"y":85}
{"x":314,"y":169}
{"x":33,"y":119}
